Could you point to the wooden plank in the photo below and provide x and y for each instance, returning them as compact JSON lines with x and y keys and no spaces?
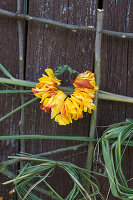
{"x":51,"y":47}
{"x":9,"y":5}
{"x":8,"y":37}
{"x":9,"y":59}
{"x":114,"y":76}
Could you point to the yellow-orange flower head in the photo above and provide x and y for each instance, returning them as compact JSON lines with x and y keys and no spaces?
{"x":63,"y":108}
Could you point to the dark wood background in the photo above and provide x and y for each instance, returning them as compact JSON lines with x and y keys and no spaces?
{"x":46,"y":46}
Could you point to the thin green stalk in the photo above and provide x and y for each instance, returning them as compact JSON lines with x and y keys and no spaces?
{"x":38,"y":182}
{"x":74,"y":148}
{"x":50,"y":22}
{"x":15,"y":81}
{"x":14,"y":91}
{"x":114,"y":97}
{"x":21,"y":52}
{"x":47,"y":137}
{"x":53,"y":137}
{"x":20,"y":107}
{"x":9,"y":162}
{"x":6,"y":172}
{"x":68,"y":90}
{"x":43,"y":191}
{"x":3,"y":69}
{"x":53,"y":191}
{"x":74,"y":28}
{"x":100,"y":14}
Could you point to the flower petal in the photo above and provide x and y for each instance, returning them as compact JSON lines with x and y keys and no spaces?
{"x":49,"y":72}
{"x":62,"y":120}
{"x":58,"y":100}
{"x":83,"y":83}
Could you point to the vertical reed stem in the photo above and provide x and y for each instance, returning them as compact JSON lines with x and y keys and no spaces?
{"x":21,"y":73}
{"x":100,"y":14}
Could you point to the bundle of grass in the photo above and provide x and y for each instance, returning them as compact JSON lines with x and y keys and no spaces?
{"x":33,"y":174}
{"x":118,"y":134}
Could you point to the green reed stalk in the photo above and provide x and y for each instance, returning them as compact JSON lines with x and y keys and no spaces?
{"x":14,"y":91}
{"x":15,"y":81}
{"x":100,"y":14}
{"x":20,"y":107}
{"x":46,"y":137}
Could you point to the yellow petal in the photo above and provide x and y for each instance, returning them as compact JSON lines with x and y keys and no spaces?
{"x":45,"y":102}
{"x":49,"y":72}
{"x":58,"y":101}
{"x":62,"y":120}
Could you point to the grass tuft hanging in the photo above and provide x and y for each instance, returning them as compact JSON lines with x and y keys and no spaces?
{"x":117,"y":134}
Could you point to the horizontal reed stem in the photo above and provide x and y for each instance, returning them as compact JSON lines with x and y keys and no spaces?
{"x":14,"y":81}
{"x":46,"y":137}
{"x":68,"y":90}
{"x":57,"y":24}
{"x":14,"y":91}
{"x":74,"y":28}
{"x":114,"y":97}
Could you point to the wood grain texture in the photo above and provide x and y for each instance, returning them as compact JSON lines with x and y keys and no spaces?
{"x":116,"y":73}
{"x":9,"y":5}
{"x":9,"y":59}
{"x":51,"y":47}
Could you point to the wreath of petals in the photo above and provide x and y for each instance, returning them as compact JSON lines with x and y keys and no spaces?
{"x":63,"y":108}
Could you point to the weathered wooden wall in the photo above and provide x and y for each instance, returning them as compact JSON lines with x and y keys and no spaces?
{"x":117,"y":73}
{"x":9,"y":59}
{"x":50,"y":47}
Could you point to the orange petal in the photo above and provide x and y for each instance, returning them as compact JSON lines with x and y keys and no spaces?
{"x":41,"y":106}
{"x":81,"y":116}
{"x":83,"y":83}
{"x":63,"y":110}
{"x":34,"y":90}
{"x":47,"y":108}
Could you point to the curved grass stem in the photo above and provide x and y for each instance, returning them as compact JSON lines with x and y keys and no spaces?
{"x":17,"y":109}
